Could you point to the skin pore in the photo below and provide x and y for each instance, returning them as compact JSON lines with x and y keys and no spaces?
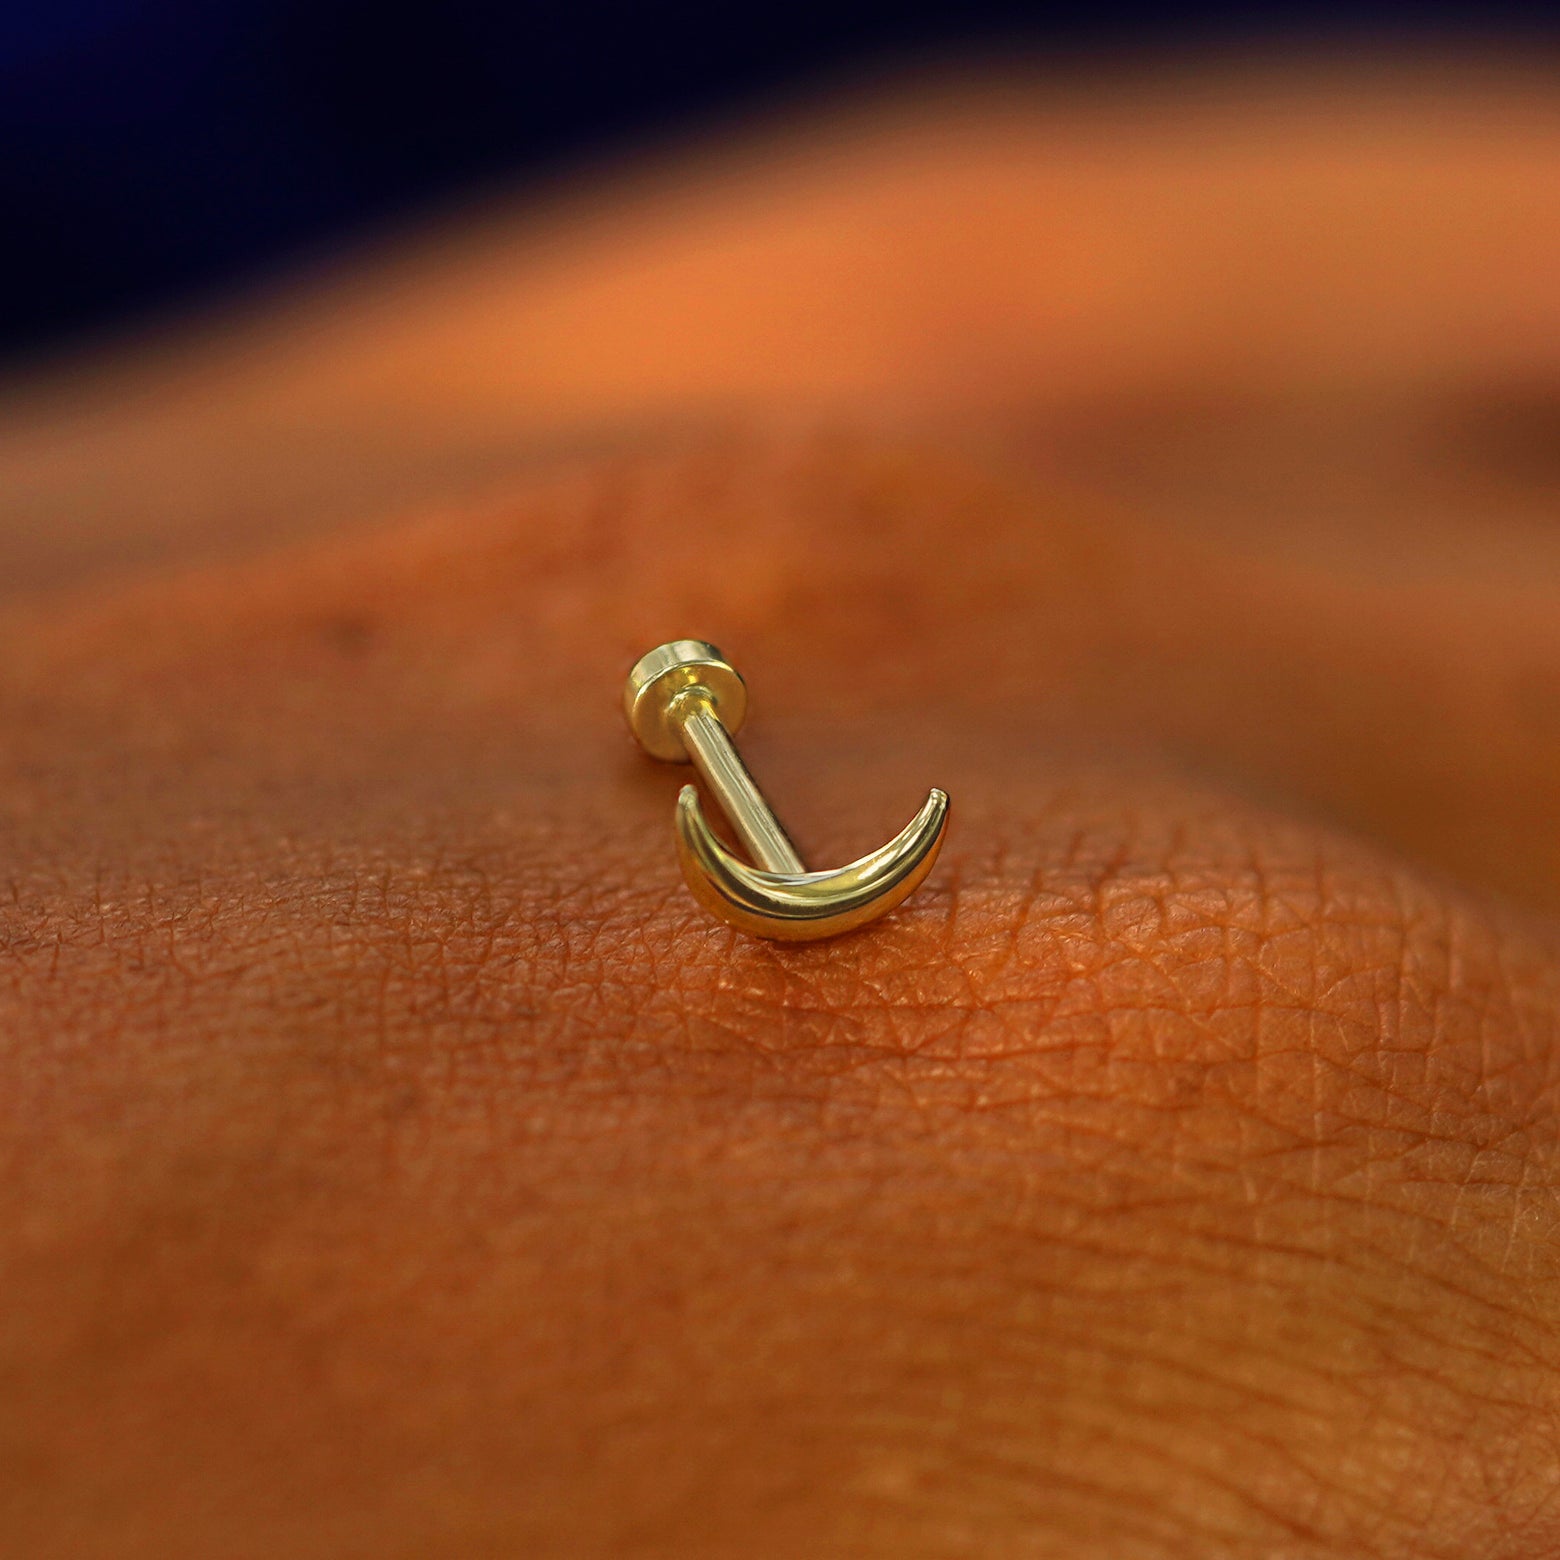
{"x":393,"y":1161}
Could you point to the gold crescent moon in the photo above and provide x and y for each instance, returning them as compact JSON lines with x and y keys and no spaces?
{"x":800,"y":906}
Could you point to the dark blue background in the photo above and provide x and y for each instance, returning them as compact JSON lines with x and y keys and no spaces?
{"x":155,"y":150}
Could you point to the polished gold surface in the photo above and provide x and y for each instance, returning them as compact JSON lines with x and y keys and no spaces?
{"x":801,"y":906}
{"x":683,"y":701}
{"x":660,"y":679}
{"x":717,"y":760}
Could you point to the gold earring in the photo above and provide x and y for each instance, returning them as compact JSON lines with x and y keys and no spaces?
{"x":684,"y":701}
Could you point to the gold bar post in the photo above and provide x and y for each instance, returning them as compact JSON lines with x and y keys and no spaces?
{"x":715,"y":756}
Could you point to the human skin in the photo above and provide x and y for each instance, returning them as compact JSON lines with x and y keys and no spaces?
{"x":395,"y":1162}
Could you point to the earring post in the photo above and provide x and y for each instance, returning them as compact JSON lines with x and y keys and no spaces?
{"x":720,"y":766}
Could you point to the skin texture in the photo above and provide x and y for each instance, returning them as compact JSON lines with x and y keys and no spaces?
{"x":394,"y":1162}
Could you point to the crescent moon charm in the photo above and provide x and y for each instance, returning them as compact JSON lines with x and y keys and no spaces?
{"x":683,"y":701}
{"x":802,"y":906}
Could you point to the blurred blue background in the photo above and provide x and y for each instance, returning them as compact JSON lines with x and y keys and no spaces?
{"x":158,"y":151}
